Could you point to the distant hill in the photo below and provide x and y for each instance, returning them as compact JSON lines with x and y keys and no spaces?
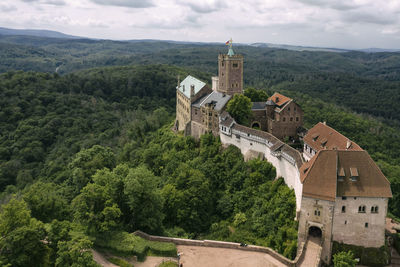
{"x":40,"y":33}
{"x":300,"y":48}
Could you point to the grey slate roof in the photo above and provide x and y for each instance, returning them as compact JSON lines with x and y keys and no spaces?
{"x":185,"y":85}
{"x":216,"y":98}
{"x":258,"y":105}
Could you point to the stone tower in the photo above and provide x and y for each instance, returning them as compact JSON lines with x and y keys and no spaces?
{"x":230,"y":72}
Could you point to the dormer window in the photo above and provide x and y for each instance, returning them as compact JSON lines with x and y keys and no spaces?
{"x":323,"y":142}
{"x":341,"y":174}
{"x":315,"y":137}
{"x":354,"y":174}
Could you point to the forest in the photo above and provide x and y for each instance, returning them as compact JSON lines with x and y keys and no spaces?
{"x":82,"y":152}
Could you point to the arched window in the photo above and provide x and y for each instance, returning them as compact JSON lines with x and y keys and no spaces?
{"x":361,"y":209}
{"x":374,"y":209}
{"x":343,"y":209}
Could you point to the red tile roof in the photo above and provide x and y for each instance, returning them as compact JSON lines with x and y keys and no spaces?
{"x":320,"y":176}
{"x":279,"y":99}
{"x":322,"y":136}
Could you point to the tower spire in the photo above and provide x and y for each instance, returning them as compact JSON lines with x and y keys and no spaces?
{"x":230,"y":51}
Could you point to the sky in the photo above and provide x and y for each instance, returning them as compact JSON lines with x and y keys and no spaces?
{"x":350,"y":24}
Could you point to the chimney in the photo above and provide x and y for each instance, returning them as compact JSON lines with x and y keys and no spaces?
{"x":324,"y":122}
{"x":192,"y":90}
{"x":348,"y":144}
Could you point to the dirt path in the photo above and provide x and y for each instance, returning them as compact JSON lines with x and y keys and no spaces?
{"x":152,"y":261}
{"x":311,"y":252}
{"x":99,"y":258}
{"x":193,"y":256}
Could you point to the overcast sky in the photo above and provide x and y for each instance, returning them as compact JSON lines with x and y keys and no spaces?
{"x":327,"y":23}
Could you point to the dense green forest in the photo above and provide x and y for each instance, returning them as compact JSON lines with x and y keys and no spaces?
{"x":82,"y":153}
{"x":357,"y":80}
{"x":92,"y":152}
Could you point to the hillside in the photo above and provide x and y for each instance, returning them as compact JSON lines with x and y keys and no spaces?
{"x":356,"y":80}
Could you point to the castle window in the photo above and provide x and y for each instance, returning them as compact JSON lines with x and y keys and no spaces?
{"x":235,"y":65}
{"x":297,"y":118}
{"x":294,"y":108}
{"x":288,"y":109}
{"x":251,"y":144}
{"x":345,"y":222}
{"x":366,"y":225}
{"x":222,"y":64}
{"x":283,"y":119}
{"x":195,"y":111}
{"x":317,"y":213}
{"x":291,"y":118}
{"x":374,"y":209}
{"x":361,"y":209}
{"x":343,"y":209}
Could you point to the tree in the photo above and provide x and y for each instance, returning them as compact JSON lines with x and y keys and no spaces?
{"x":46,"y":202}
{"x":87,"y":162}
{"x":256,"y":95}
{"x":21,"y":236}
{"x":95,"y":208}
{"x":144,"y":200}
{"x":344,"y":259}
{"x":239,"y":107}
{"x":75,"y":252}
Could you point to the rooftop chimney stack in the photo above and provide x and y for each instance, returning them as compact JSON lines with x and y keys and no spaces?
{"x":348,"y":144}
{"x":191,"y":90}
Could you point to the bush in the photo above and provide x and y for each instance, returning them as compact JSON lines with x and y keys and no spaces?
{"x":125,"y":244}
{"x":168,"y":264}
{"x":368,"y":256}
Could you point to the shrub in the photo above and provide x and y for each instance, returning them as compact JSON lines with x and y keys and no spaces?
{"x":125,"y":244}
{"x":368,"y":256}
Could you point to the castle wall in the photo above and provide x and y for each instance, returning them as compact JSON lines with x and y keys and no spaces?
{"x":350,"y":226}
{"x":284,"y":168}
{"x":317,"y":213}
{"x":287,"y":121}
{"x":183,"y":110}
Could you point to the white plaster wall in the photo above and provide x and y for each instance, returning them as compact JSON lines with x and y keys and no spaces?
{"x":283,"y":168}
{"x":354,"y":231}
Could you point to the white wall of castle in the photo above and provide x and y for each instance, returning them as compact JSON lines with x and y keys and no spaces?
{"x":350,"y":226}
{"x":284,"y":168}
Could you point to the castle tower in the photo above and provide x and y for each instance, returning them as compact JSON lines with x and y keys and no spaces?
{"x":230,"y":72}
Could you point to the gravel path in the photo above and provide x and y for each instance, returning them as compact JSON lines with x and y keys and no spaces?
{"x":99,"y":258}
{"x":194,"y":256}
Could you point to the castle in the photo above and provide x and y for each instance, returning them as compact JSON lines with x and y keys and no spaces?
{"x":341,"y":194}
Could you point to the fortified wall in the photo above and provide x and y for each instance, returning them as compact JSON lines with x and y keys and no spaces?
{"x":283,"y":157}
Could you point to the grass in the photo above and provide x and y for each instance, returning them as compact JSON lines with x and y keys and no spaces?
{"x":168,"y":264}
{"x":125,"y":244}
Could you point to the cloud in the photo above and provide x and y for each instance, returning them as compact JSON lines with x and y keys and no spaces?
{"x":46,"y":2}
{"x":205,"y":6}
{"x":340,"y":5}
{"x":362,"y":17}
{"x":7,"y":8}
{"x":54,"y":2}
{"x":126,"y":3}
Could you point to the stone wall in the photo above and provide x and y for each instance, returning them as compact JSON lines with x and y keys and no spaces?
{"x":284,"y":167}
{"x":223,"y":244}
{"x":317,"y":213}
{"x":350,"y":227}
